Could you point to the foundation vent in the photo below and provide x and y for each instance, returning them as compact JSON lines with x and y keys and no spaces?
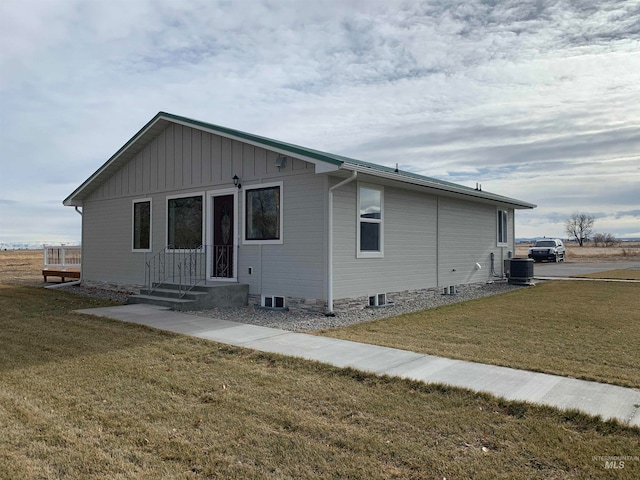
{"x":378,"y":300}
{"x":273,"y":301}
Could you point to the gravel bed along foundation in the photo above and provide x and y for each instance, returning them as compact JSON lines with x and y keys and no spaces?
{"x":300,"y":321}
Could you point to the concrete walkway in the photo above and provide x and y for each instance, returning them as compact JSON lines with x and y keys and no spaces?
{"x":608,"y":401}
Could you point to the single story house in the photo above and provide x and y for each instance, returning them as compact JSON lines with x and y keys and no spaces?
{"x":302,"y":228}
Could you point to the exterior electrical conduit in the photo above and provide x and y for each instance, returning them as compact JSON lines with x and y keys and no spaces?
{"x":353,"y":176}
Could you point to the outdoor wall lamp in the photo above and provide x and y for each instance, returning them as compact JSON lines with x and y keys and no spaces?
{"x":281,"y":162}
{"x":236,"y":182}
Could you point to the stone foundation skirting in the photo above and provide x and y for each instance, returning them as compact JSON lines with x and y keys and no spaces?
{"x":359,"y":303}
{"x":343,"y":305}
{"x":311,"y":305}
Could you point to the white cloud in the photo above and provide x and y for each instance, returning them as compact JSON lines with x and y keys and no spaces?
{"x":531,"y":99}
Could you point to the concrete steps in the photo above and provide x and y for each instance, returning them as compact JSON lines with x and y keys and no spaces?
{"x":201,"y":297}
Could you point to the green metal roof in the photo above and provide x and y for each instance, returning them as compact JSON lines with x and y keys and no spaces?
{"x":160,"y":122}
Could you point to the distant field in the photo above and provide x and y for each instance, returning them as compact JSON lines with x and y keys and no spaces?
{"x":589,"y":253}
{"x":21,"y":267}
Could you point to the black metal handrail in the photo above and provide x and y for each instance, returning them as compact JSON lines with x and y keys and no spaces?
{"x":184,"y":267}
{"x":187,"y":267}
{"x":156,"y":271}
{"x":192,"y":268}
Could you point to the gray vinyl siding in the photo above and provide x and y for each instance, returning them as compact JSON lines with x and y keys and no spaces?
{"x":468,"y":235}
{"x":296,"y":268}
{"x":429,"y":241}
{"x":410,"y":232}
{"x":106,"y":244}
{"x":186,"y":161}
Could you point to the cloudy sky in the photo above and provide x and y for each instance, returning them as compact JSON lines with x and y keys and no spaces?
{"x":534,"y":99}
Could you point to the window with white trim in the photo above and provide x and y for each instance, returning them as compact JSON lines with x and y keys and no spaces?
{"x":184,"y":222}
{"x":370,"y":233}
{"x":141,"y":225}
{"x":503,"y":225}
{"x":273,"y":301}
{"x":263,"y":213}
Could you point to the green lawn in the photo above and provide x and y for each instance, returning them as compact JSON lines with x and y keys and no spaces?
{"x":85,"y":397}
{"x":588,"y":330}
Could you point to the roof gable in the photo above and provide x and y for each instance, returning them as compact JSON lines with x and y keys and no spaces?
{"x":324,"y":162}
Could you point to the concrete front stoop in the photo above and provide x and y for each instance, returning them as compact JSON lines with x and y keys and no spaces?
{"x":201,"y":297}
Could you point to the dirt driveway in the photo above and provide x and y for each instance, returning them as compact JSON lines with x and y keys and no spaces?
{"x":567,"y":269}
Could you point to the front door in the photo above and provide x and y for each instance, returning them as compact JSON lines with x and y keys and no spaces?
{"x":222,"y":254}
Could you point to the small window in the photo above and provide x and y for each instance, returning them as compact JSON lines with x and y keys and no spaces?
{"x":142,"y":225}
{"x":370,"y":231}
{"x":184,"y":222}
{"x":269,"y":301}
{"x":263,"y":214}
{"x":502,"y":227}
{"x":379,"y":300}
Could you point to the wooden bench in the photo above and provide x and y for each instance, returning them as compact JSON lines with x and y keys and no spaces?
{"x":62,"y":273}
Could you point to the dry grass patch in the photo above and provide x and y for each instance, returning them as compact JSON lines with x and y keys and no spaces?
{"x":21,"y":267}
{"x":620,"y":274}
{"x":85,"y":397}
{"x":588,"y":330}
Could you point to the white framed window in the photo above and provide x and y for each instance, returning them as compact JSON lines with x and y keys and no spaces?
{"x":503,"y":227}
{"x":263,"y":214}
{"x":370,"y":228}
{"x":185,"y":221}
{"x":273,"y":301}
{"x":141,"y":225}
{"x":378,"y":300}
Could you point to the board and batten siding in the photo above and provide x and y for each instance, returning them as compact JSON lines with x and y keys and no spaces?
{"x":186,"y":161}
{"x":185,"y":158}
{"x":410,"y":233}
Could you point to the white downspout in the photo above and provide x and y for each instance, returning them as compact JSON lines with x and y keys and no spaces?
{"x":353,"y":176}
{"x":81,"y":243}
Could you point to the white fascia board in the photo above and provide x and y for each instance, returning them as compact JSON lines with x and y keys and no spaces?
{"x":323,"y":167}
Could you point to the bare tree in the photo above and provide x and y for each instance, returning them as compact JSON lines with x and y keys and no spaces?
{"x":598,"y":238}
{"x":610,"y":240}
{"x":604,"y":239}
{"x":580,"y":227}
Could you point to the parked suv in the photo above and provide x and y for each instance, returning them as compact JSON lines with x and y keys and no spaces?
{"x":547,"y":249}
